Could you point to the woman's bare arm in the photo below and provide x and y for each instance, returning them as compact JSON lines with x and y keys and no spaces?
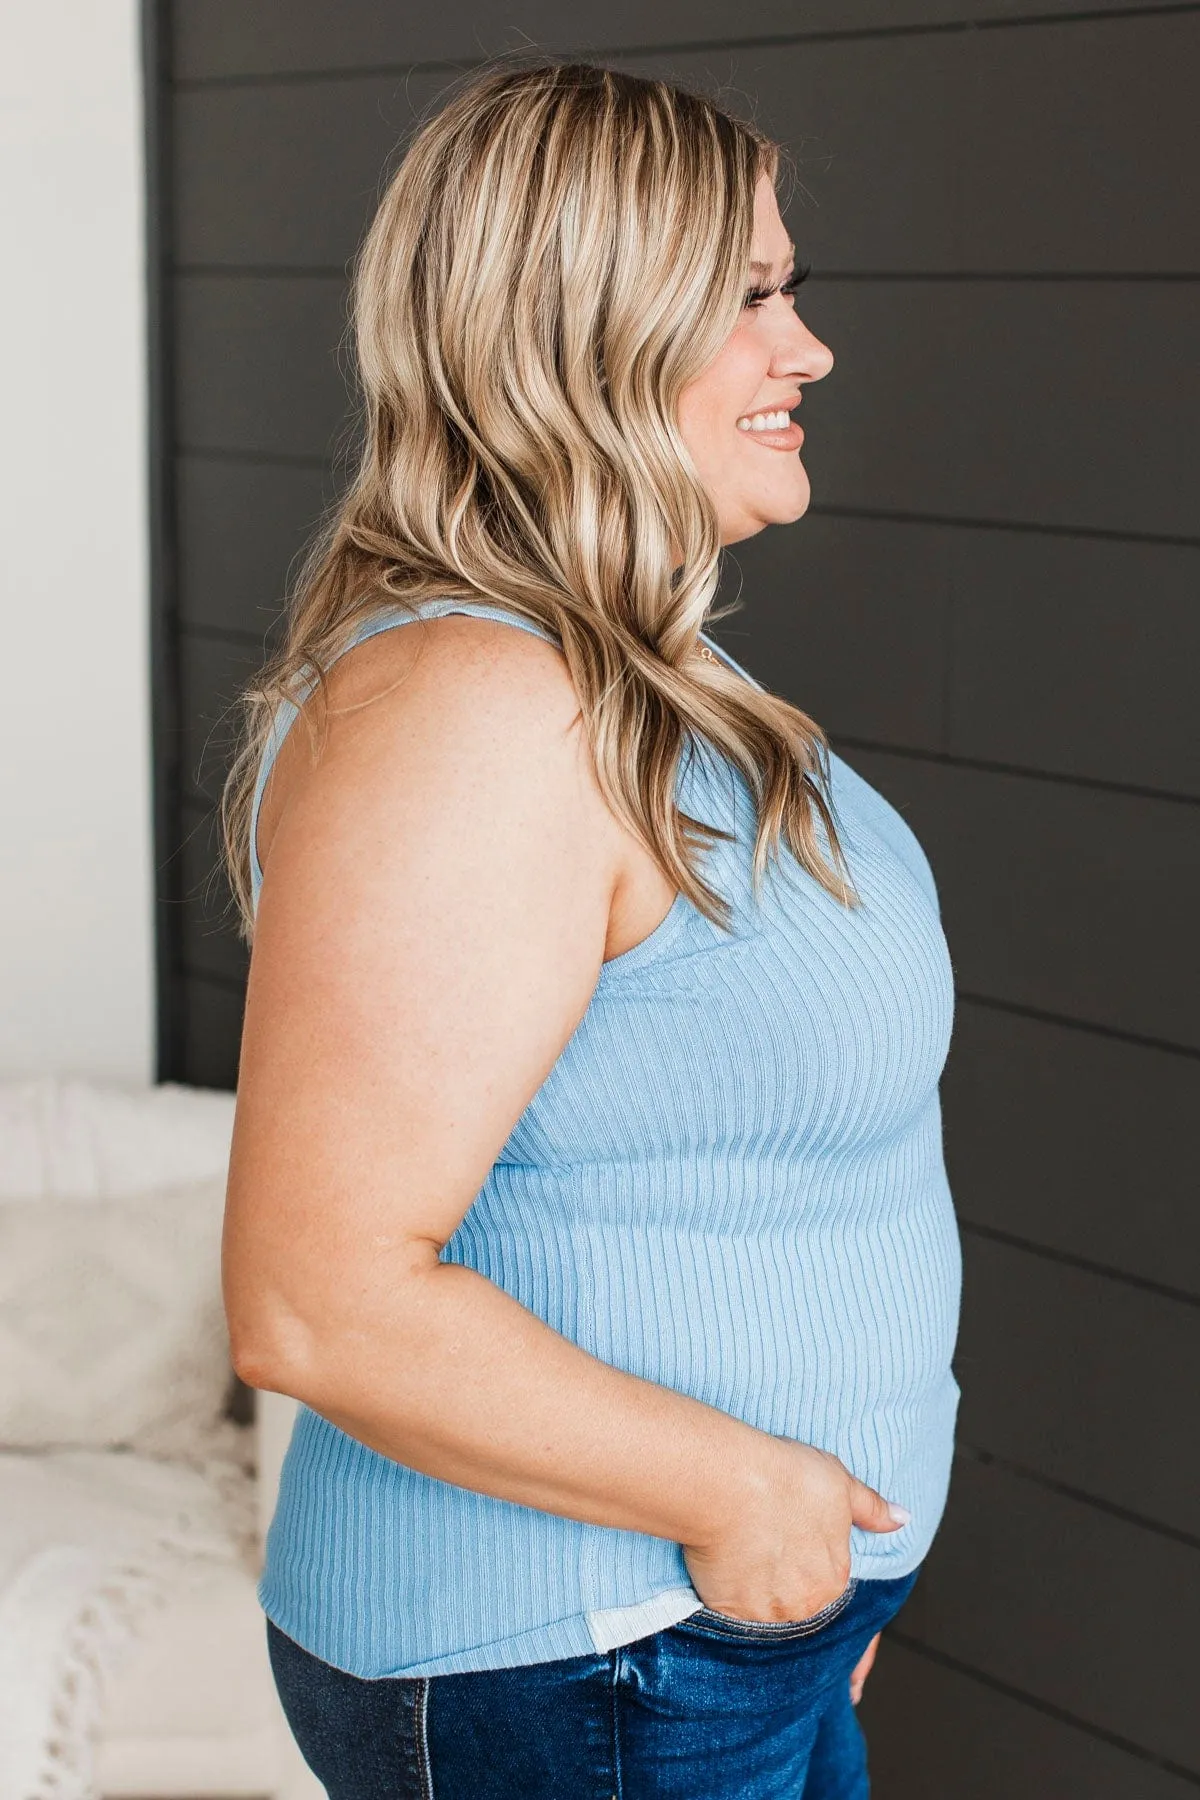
{"x":430,"y":930}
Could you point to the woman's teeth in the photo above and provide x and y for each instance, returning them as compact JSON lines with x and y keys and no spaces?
{"x":771,"y":421}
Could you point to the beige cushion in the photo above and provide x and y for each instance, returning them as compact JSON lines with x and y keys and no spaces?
{"x":112,"y":1330}
{"x":199,"y":1665}
{"x":193,"y":1707}
{"x":78,"y":1139}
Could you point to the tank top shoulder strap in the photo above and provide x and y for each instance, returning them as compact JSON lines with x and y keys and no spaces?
{"x":384,"y":620}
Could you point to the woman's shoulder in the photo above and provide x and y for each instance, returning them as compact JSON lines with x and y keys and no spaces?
{"x":453,"y":710}
{"x":457,"y":655}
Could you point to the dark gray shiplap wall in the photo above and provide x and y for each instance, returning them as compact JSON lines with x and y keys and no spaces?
{"x":992,"y":606}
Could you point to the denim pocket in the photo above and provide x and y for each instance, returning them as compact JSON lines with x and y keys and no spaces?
{"x":770,"y":1631}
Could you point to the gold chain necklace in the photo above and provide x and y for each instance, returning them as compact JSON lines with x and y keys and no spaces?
{"x":707,"y":654}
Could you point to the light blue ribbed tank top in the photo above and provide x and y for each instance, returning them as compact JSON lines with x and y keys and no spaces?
{"x":731,"y":1183}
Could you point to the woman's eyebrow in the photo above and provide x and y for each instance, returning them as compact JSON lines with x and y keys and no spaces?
{"x":761,"y":270}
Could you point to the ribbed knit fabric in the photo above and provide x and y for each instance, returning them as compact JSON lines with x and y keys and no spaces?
{"x":730,"y":1183}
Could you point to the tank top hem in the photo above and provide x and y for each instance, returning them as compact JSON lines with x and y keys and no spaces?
{"x":590,"y":1633}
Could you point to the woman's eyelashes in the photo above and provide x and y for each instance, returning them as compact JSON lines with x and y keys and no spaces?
{"x":756,"y":296}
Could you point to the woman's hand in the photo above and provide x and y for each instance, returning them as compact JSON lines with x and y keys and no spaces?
{"x":862,"y":1669}
{"x":785,"y":1554}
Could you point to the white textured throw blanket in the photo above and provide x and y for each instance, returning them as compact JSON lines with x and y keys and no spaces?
{"x":90,"y":1541}
{"x":93,"y":1539}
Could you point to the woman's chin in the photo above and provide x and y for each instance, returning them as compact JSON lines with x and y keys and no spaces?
{"x":783,"y":506}
{"x":787,"y":507}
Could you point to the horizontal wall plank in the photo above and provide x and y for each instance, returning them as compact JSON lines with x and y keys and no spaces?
{"x":849,"y":619}
{"x":288,"y":175}
{"x":907,"y":156}
{"x":215,"y":38}
{"x":1083,"y":1379}
{"x":241,"y":530}
{"x":937,"y":1734}
{"x":212,"y":1034}
{"x":1096,"y":168}
{"x":1077,"y":1142}
{"x":1090,"y":1613}
{"x":1077,"y":656}
{"x":1003,"y":646}
{"x":1069,"y":404}
{"x":210,"y":944}
{"x":262,"y":365}
{"x":1073,"y":901}
{"x":213,"y":672}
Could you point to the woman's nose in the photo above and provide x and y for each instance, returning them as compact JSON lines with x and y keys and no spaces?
{"x":801,"y":353}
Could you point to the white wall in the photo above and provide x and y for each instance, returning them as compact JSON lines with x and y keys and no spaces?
{"x":76,"y":898}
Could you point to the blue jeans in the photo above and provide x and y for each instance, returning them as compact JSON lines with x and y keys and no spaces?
{"x":708,"y":1709}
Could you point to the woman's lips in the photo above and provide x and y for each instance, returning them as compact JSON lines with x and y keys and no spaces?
{"x":790,"y":438}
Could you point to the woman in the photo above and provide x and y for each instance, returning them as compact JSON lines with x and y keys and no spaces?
{"x":587,"y":1186}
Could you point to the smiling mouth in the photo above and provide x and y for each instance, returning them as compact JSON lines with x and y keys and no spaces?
{"x":774,"y":429}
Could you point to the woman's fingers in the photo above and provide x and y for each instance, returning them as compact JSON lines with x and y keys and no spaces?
{"x":872,"y":1512}
{"x":862,"y":1669}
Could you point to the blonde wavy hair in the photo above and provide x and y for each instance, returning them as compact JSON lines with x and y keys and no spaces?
{"x":561,"y":251}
